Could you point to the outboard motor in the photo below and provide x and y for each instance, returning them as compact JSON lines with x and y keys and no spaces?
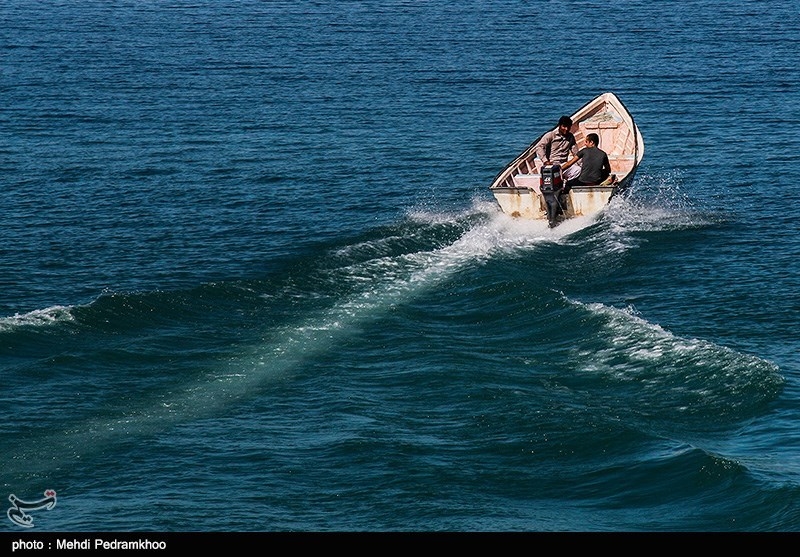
{"x":551,"y":184}
{"x":550,"y":180}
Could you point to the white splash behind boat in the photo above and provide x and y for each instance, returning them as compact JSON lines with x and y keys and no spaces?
{"x":516,"y":187}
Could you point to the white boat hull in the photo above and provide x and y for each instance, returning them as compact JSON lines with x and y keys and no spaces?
{"x":528,"y":203}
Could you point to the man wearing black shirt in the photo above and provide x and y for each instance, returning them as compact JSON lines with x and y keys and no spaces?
{"x":595,"y":167}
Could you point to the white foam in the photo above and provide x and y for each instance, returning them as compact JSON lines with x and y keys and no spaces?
{"x":656,"y":348}
{"x":37,"y":318}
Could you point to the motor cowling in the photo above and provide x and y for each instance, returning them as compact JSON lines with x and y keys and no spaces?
{"x":550,"y":179}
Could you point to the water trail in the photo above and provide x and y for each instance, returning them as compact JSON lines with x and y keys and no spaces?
{"x":390,"y":280}
{"x":380,"y":283}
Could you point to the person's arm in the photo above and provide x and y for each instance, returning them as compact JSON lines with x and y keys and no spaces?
{"x":541,"y":147}
{"x":569,"y":163}
{"x":605,"y":172}
{"x":572,"y":161}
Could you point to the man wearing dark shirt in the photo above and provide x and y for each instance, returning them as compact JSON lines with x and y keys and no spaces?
{"x":595,"y":167}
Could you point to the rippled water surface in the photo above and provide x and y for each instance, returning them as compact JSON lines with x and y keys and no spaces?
{"x":249,"y":254}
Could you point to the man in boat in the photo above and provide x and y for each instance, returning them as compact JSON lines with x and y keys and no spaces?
{"x":595,"y":168}
{"x":556,"y":147}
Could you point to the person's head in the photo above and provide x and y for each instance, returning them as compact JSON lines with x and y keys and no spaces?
{"x":592,"y":140}
{"x":564,"y":124}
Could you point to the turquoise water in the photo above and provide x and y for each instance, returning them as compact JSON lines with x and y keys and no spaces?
{"x":253,"y":279}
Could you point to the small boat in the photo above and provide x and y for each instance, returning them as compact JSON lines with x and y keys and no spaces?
{"x":517,"y":187}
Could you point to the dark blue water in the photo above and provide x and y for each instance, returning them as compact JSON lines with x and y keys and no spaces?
{"x":249,"y":256}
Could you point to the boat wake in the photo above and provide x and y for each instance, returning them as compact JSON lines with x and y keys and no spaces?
{"x":366,"y":280}
{"x":703,"y":379}
{"x":375,"y":283}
